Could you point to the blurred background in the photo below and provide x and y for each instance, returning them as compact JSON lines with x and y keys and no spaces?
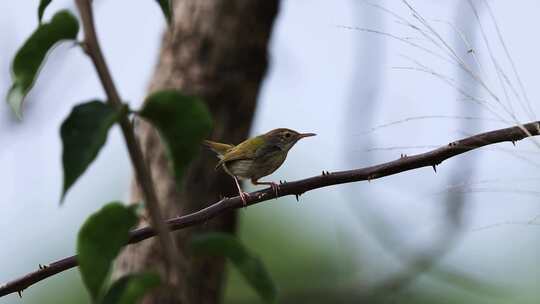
{"x":372,"y":87}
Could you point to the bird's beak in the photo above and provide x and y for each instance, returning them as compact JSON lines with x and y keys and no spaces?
{"x":302,"y":135}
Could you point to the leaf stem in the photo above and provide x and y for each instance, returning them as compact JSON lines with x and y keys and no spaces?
{"x":142,"y":172}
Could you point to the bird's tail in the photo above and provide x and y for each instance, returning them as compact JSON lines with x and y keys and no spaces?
{"x":219,"y":148}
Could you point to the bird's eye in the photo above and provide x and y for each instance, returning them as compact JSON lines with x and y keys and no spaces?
{"x":287,"y":135}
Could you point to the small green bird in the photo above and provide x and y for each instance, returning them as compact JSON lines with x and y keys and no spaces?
{"x":256,"y":157}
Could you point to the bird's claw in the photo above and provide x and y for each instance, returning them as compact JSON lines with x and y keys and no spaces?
{"x":275,"y":187}
{"x":244,"y":196}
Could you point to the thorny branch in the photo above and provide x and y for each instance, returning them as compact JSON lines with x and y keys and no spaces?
{"x":297,"y":188}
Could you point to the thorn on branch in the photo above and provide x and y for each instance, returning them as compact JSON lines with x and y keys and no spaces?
{"x":41,"y":267}
{"x":297,"y":196}
{"x":435,"y":168}
{"x":514,"y":143}
{"x":19,"y":292}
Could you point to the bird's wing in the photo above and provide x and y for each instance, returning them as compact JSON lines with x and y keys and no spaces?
{"x":245,"y":150}
{"x":267,"y":149}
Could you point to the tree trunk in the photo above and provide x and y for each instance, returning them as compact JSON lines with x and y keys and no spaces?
{"x":217,"y":50}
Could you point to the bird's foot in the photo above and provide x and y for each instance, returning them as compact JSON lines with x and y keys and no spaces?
{"x":275,"y":187}
{"x":244,"y":196}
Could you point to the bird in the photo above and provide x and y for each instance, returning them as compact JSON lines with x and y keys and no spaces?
{"x":256,"y":157}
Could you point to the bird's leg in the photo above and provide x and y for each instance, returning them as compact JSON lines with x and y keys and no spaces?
{"x":243,"y":195}
{"x":272,"y":185}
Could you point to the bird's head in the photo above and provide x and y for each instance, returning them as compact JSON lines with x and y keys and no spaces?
{"x":285,"y":138}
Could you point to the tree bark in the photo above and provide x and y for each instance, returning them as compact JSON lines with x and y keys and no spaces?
{"x":217,"y":49}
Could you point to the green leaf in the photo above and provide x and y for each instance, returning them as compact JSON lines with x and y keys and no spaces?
{"x":31,"y":55}
{"x":100,"y":239}
{"x":182,"y":121}
{"x":250,"y":266}
{"x":131,"y":288}
{"x":83,"y":134}
{"x":41,"y":9}
{"x":166,"y":8}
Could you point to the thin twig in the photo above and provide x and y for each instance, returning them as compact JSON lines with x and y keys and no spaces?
{"x":93,"y":49}
{"x":511,"y":60}
{"x":426,"y":117}
{"x":427,"y":159}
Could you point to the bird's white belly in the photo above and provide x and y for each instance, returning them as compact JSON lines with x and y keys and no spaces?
{"x":243,"y":169}
{"x":255,"y":168}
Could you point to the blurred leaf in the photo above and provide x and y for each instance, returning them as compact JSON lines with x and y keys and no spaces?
{"x":166,"y":8}
{"x":250,"y":266}
{"x":99,"y":241}
{"x":131,"y":288}
{"x":182,"y":121}
{"x":31,"y":55}
{"x":83,"y":134}
{"x":41,"y":9}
